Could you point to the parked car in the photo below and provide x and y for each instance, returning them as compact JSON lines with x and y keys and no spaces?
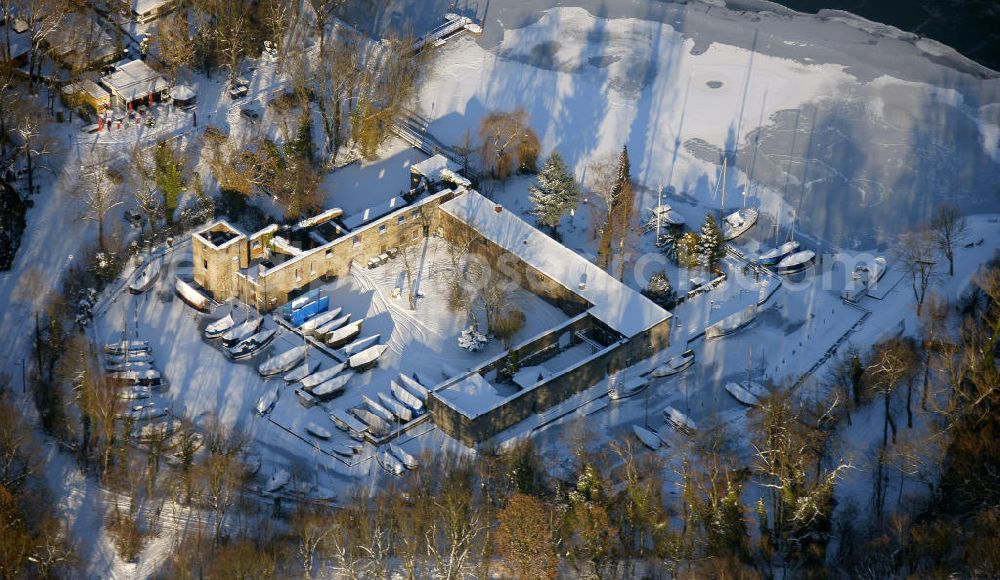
{"x":238,"y":92}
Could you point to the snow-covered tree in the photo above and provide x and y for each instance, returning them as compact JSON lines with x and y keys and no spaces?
{"x":659,"y":289}
{"x":711,"y":246}
{"x":472,"y":340}
{"x":555,"y":194}
{"x":668,"y":241}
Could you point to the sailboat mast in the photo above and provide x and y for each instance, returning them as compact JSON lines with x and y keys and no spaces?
{"x":659,"y":210}
{"x":723,"y":183}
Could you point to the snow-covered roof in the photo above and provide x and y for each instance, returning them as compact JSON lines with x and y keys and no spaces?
{"x":373,"y":213}
{"x":332,"y":213}
{"x":134,"y":80}
{"x":182,"y":93}
{"x":613,"y":303}
{"x":471,"y":396}
{"x":141,"y":7}
{"x":96,"y":91}
{"x":439,"y":168}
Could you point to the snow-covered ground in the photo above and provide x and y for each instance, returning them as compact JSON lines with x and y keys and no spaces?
{"x":850,"y":128}
{"x":204,"y":383}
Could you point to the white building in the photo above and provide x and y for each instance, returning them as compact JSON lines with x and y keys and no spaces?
{"x":134,"y":82}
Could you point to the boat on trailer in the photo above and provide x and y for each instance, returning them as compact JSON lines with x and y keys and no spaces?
{"x":131,"y":365}
{"x":237,"y":334}
{"x":378,"y":409}
{"x":345,"y":422}
{"x":310,"y":326}
{"x":126,"y":346}
{"x":376,"y":424}
{"x":331,"y":388}
{"x":647,"y":437}
{"x":142,"y":378}
{"x":302,"y":371}
{"x":748,"y":393}
{"x":398,"y":409}
{"x":252,"y":345}
{"x":679,"y":420}
{"x":675,"y":365}
{"x":267,"y":401}
{"x":737,"y":223}
{"x":627,"y":388}
{"x":406,"y":397}
{"x":414,"y":386}
{"x":347,"y":449}
{"x":133,"y":356}
{"x":332,"y":325}
{"x":368,"y":358}
{"x":360,"y":345}
{"x":322,"y":376}
{"x":407,"y":459}
{"x":317,"y":431}
{"x":389,"y":462}
{"x":220,"y":326}
{"x":344,"y":335}
{"x":281,"y":363}
{"x":796,"y":262}
{"x":775,"y":255}
{"x":146,"y":279}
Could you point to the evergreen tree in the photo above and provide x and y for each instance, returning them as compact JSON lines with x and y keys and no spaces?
{"x":555,"y":194}
{"x":659,"y":289}
{"x":620,"y":202}
{"x":710,"y":244}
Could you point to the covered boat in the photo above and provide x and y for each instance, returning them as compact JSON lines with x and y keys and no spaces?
{"x":309,"y":326}
{"x":220,"y":326}
{"x":333,"y":325}
{"x":190,"y":295}
{"x":390,"y":463}
{"x":360,"y":345}
{"x":322,"y":376}
{"x":737,"y":223}
{"x":748,"y":393}
{"x":347,"y":423}
{"x":796,"y":262}
{"x":241,"y":332}
{"x":679,"y":420}
{"x":414,"y":387}
{"x":331,"y":388}
{"x":302,"y":371}
{"x":317,"y":431}
{"x":376,"y":424}
{"x":347,"y":449}
{"x":775,"y":255}
{"x":145,"y":378}
{"x":252,"y":345}
{"x":342,"y":336}
{"x":732,"y":323}
{"x":126,"y":346}
{"x":284,"y":362}
{"x":627,"y":388}
{"x":132,"y":356}
{"x":648,"y":438}
{"x":367,"y":358}
{"x":277,"y":481}
{"x":134,"y":393}
{"x":406,"y":397}
{"x":146,"y":279}
{"x":266,"y":401}
{"x":131,"y":365}
{"x":675,"y":365}
{"x":398,"y":409}
{"x":407,"y":459}
{"x":378,"y":409}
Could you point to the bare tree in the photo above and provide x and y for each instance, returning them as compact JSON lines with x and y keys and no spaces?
{"x":176,"y":48}
{"x":917,"y":254}
{"x":312,"y":527}
{"x":507,"y":143}
{"x":99,"y":193}
{"x":322,"y":16}
{"x":43,"y":17}
{"x":948,"y":228}
{"x":33,"y":142}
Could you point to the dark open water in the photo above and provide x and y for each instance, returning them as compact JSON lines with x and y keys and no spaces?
{"x":972,"y":27}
